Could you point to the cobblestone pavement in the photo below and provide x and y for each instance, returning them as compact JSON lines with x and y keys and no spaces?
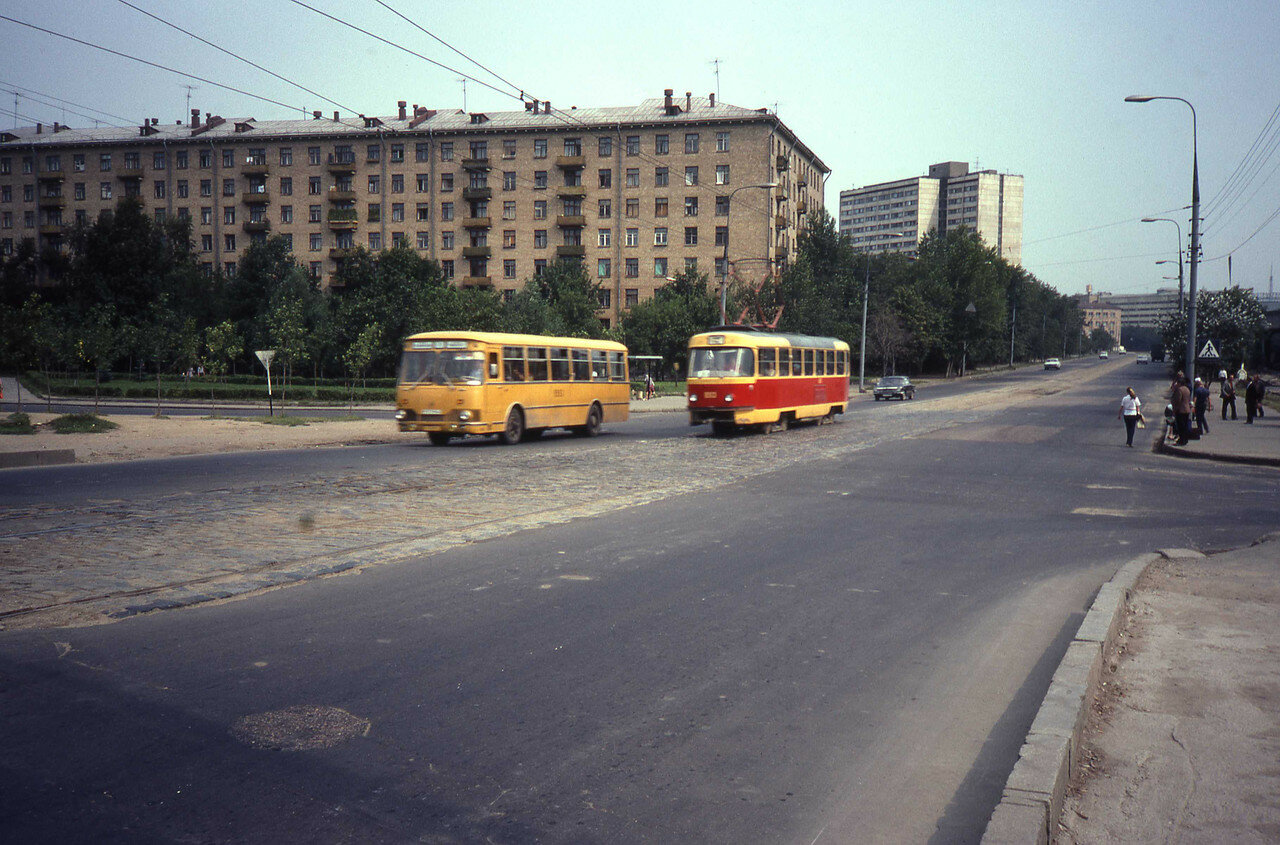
{"x":112,"y":559}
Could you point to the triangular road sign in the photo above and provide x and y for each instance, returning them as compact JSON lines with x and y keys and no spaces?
{"x":1209,"y":351}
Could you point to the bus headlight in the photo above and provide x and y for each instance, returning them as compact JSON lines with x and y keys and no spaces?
{"x":464,"y":415}
{"x":401,"y":414}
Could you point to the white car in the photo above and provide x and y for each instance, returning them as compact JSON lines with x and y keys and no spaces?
{"x":1143,"y":358}
{"x":1102,"y":356}
{"x":1052,"y":364}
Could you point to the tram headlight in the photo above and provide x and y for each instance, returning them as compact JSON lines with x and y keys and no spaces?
{"x":728,"y":397}
{"x":693,"y":397}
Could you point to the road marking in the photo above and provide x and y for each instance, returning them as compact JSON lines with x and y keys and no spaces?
{"x":1102,"y":512}
{"x":786,"y":586}
{"x":575,"y":577}
{"x":1107,"y":487}
{"x":856,"y":590}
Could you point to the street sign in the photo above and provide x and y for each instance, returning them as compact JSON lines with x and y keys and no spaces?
{"x":1209,"y":351}
{"x":265,"y":356}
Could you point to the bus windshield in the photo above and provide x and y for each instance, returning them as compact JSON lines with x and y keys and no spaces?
{"x":444,"y":366}
{"x":722,"y":362}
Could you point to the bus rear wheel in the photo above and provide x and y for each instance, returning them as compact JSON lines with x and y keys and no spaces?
{"x":594,"y":418}
{"x":513,"y":432}
{"x":439,"y":438}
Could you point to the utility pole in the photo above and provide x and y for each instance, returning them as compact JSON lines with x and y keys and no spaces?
{"x":715,"y":63}
{"x":463,"y":80}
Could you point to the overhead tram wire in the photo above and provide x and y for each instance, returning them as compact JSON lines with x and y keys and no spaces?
{"x":28,"y":92}
{"x":425,"y":31}
{"x":1222,"y":216}
{"x":1236,"y":174}
{"x":1096,"y":228}
{"x":18,"y":115}
{"x":231,"y":88}
{"x":1265,"y":224}
{"x":237,"y":56}
{"x":1240,"y":208}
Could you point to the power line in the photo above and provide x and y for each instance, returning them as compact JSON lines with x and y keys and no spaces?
{"x":236,"y":56}
{"x":1237,"y":173}
{"x":18,"y":115}
{"x":1096,"y":260}
{"x":419,"y":27}
{"x":29,"y":91}
{"x":1096,"y":228}
{"x":152,"y":64}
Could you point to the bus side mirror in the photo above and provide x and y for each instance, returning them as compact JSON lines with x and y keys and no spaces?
{"x":493,"y":371}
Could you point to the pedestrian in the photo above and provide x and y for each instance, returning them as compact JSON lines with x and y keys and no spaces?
{"x":1203,"y":403}
{"x":649,"y":388}
{"x":1182,"y":410}
{"x":1262,"y":392}
{"x":1228,"y":396}
{"x":1252,"y":399}
{"x":1130,"y":413}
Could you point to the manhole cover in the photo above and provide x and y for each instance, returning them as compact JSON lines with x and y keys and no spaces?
{"x":304,"y":727}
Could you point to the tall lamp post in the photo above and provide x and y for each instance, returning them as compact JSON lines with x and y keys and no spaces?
{"x":1190,"y":368}
{"x":724,"y":270}
{"x":1166,"y":261}
{"x":866,"y":295}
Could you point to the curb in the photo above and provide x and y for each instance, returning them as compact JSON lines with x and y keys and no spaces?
{"x":1032,"y":800}
{"x":1164,"y":448}
{"x":37,"y":458}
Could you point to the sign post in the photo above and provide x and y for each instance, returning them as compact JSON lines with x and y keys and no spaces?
{"x":265,"y":356}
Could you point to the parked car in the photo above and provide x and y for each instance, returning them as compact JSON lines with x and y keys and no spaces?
{"x":1052,"y":364}
{"x":1144,"y":358}
{"x":890,"y":387}
{"x":1102,"y":356}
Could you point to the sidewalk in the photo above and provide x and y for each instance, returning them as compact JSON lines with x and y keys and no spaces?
{"x":1232,"y":441}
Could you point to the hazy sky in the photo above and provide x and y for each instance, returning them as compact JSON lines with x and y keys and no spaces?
{"x":879,"y":90}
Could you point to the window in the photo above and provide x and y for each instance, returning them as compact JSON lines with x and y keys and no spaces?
{"x":605,"y":146}
{"x":229,"y":215}
{"x":446,"y":151}
{"x":660,"y":236}
{"x":633,"y":268}
{"x":690,"y":235}
{"x":539,"y":209}
{"x":605,"y":208}
{"x":424,"y":212}
{"x":509,"y":148}
{"x":313,"y":186}
{"x":603,"y":237}
{"x":424,"y":240}
{"x":539,"y":180}
{"x":509,"y":210}
{"x":722,"y":235}
{"x":633,"y":296}
{"x":605,"y":298}
{"x":373,"y":153}
{"x":375,"y":241}
{"x":660,"y":207}
{"x":229,"y":269}
{"x":6,"y":166}
{"x":603,"y":268}
{"x":375,"y":184}
{"x":206,"y":216}
{"x":286,"y":186}
{"x":397,"y":153}
{"x":539,"y":266}
{"x":539,"y":238}
{"x":508,"y":268}
{"x":690,"y":265}
{"x":446,"y":182}
{"x":633,"y":207}
{"x":446,"y":268}
{"x":508,"y":180}
{"x":313,"y":214}
{"x":633,"y":237}
{"x":446,"y":211}
{"x":104,"y":161}
{"x":661,"y":177}
{"x":159,"y":189}
{"x":183,"y":189}
{"x":229,"y":243}
{"x":722,"y":206}
{"x":722,"y":174}
{"x":286,"y":214}
{"x":539,"y":147}
{"x":633,"y":177}
{"x":691,"y":175}
{"x":313,"y":155}
{"x":157,"y":161}
{"x":397,"y":212}
{"x":691,"y":143}
{"x":722,"y":142}
{"x":375,"y":212}
{"x":316,"y":241}
{"x":422,"y":152}
{"x":573,"y":146}
{"x":662,"y":144}
{"x":571,"y":207}
{"x":228,"y":158}
{"x":633,"y":145}
{"x":206,"y":243}
{"x":508,"y":238}
{"x":80,"y":191}
{"x":446,"y":240}
{"x":660,"y":268}
{"x":424,"y":183}
{"x":690,"y":206}
{"x":206,"y":187}
{"x":397,"y":183}
{"x":286,"y":156}
{"x":106,"y":190}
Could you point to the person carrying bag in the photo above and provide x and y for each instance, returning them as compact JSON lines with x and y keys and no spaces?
{"x":1131,"y":414}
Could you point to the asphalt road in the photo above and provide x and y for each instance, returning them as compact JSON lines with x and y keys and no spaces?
{"x":845,"y":649}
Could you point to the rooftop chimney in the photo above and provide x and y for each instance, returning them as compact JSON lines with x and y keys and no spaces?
{"x":335,"y":116}
{"x":546,"y":107}
{"x":536,"y":103}
{"x":56,"y":127}
{"x":688,"y":101}
{"x":400,"y":114}
{"x":195,"y":118}
{"x":666,"y":100}
{"x":39,"y":128}
{"x":712,"y":98}
{"x":315,"y":115}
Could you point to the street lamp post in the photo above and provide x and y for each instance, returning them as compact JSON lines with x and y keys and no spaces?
{"x":1190,"y":369}
{"x":969,"y":312}
{"x":724,"y":270}
{"x":866,"y":295}
{"x":1166,"y":261}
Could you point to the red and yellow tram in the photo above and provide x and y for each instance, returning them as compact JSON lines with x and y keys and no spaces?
{"x":739,"y":377}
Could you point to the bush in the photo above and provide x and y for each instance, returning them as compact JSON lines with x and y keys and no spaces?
{"x":81,"y":424}
{"x":17,"y":424}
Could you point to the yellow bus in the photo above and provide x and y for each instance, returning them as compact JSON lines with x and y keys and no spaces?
{"x":516,"y":386}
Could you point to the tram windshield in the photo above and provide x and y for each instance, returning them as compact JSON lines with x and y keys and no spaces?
{"x":722,"y":362}
{"x":445,"y":366}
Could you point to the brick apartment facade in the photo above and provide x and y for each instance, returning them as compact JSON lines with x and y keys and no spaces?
{"x":637,"y":193}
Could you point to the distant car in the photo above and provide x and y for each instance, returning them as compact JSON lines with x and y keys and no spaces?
{"x":891,"y":387}
{"x":1103,"y":355}
{"x":1052,"y":364}
{"x":1144,"y":358}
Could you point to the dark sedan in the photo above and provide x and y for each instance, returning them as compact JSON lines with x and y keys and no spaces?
{"x":894,"y":387}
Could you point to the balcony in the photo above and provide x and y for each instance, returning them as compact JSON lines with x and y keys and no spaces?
{"x":568,"y":221}
{"x":342,"y":195}
{"x":53,"y":230}
{"x":781,"y":164}
{"x":477,"y":193}
{"x":780,"y":221}
{"x":476,"y":222}
{"x":52,"y":201}
{"x":477,"y":281}
{"x":571,"y":191}
{"x":477,"y":251}
{"x":343,"y":218}
{"x":342,"y":163}
{"x":341,"y":253}
{"x":254,"y":167}
{"x":257,"y":225}
{"x":129,"y":173}
{"x":780,"y":253}
{"x":51,"y":176}
{"x":255,"y":197}
{"x":475,"y":164}
{"x":571,"y":251}
{"x":571,"y":162}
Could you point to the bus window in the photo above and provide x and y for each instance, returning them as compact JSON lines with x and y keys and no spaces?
{"x":599,"y":365}
{"x":581,"y":367}
{"x":797,"y":362}
{"x":768,"y":362}
{"x":559,"y":364}
{"x":415,"y":366}
{"x":808,"y":362}
{"x":537,"y":363}
{"x":513,"y":363}
{"x":617,"y":366}
{"x":784,"y":362}
{"x":493,"y":365}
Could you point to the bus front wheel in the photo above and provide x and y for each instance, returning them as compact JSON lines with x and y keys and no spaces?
{"x":514,"y":429}
{"x":594,"y":418}
{"x":439,"y":438}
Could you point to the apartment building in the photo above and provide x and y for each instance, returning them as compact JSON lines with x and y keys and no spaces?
{"x":1099,"y":313}
{"x":894,"y":216}
{"x":638,"y":194}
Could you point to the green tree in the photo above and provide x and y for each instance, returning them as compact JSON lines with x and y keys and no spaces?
{"x":99,"y":340}
{"x":1232,"y":318}
{"x":222,"y":346}
{"x":561,"y":301}
{"x":663,"y":324}
{"x":360,"y":353}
